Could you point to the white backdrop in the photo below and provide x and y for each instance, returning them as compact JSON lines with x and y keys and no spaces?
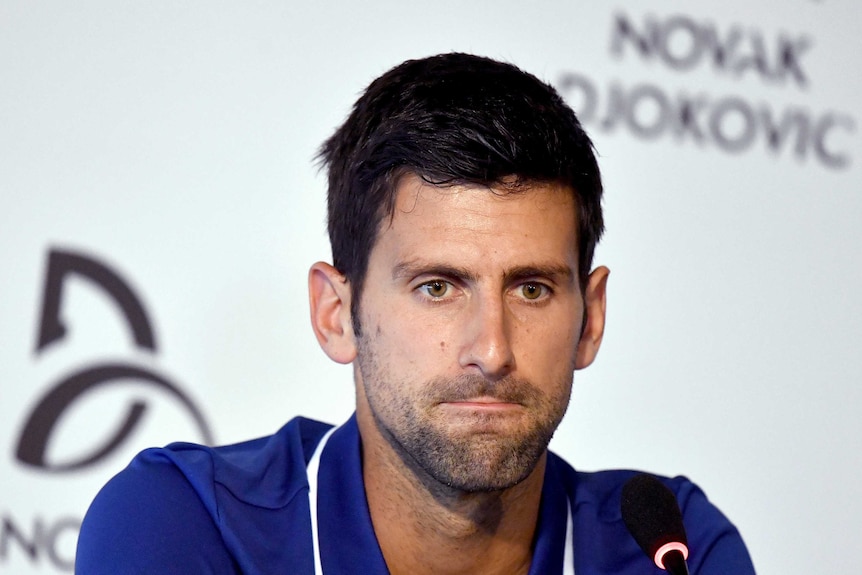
{"x":173,"y":144}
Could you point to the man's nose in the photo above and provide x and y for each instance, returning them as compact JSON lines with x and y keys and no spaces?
{"x":487,"y":344}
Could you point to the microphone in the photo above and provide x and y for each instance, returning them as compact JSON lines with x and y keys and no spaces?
{"x":652,"y":516}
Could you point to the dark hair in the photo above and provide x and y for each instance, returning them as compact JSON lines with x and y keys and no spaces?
{"x":453,"y":119}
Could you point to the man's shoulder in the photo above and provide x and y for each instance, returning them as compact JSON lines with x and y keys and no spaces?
{"x":228,"y":492}
{"x":265,"y":471}
{"x":603,"y":488}
{"x":297,"y":437}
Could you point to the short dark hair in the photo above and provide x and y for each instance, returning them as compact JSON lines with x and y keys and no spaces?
{"x":453,"y":119}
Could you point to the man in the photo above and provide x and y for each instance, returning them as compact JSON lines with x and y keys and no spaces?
{"x":464,"y":209}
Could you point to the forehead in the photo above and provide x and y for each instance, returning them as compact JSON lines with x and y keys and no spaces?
{"x":506,"y":225}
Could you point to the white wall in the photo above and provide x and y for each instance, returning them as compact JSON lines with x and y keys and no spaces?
{"x":173,"y":142}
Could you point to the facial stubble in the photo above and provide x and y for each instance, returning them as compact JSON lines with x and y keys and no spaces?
{"x":489,"y":453}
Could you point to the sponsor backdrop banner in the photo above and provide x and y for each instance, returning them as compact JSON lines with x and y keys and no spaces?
{"x":160,"y":208}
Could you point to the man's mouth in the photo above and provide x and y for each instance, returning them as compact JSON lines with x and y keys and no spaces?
{"x":470,"y":393}
{"x":483,"y":403}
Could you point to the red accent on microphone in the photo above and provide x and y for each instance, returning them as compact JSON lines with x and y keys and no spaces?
{"x":664,"y":549}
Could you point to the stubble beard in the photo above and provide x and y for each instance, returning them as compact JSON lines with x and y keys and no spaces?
{"x":410,"y":420}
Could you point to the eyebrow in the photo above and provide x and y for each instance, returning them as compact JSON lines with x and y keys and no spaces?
{"x":561,"y":274}
{"x":413,"y":268}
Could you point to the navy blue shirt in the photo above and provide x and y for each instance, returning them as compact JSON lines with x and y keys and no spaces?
{"x":247,"y":508}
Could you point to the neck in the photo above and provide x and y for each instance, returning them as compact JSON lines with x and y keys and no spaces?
{"x":423,"y":526}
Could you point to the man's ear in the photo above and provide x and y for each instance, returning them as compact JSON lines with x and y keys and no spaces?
{"x":329,"y":295}
{"x":595,"y":303}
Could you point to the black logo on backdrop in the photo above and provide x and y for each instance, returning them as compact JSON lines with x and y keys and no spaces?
{"x":729,"y":123}
{"x":63,"y":394}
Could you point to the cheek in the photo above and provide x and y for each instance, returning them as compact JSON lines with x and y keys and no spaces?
{"x":407,"y":347}
{"x":548,"y":350}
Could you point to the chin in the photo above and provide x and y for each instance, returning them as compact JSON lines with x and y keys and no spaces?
{"x":484,"y":464}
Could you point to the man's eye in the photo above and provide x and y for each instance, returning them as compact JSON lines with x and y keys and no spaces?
{"x":435,"y":289}
{"x":533,"y":290}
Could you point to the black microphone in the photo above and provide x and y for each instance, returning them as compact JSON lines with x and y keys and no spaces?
{"x":652,"y":515}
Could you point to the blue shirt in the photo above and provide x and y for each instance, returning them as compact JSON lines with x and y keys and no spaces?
{"x":246,"y":508}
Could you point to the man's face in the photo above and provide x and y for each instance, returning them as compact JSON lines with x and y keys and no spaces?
{"x":471,"y":314}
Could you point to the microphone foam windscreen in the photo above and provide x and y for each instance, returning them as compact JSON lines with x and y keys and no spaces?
{"x":651,"y":513}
